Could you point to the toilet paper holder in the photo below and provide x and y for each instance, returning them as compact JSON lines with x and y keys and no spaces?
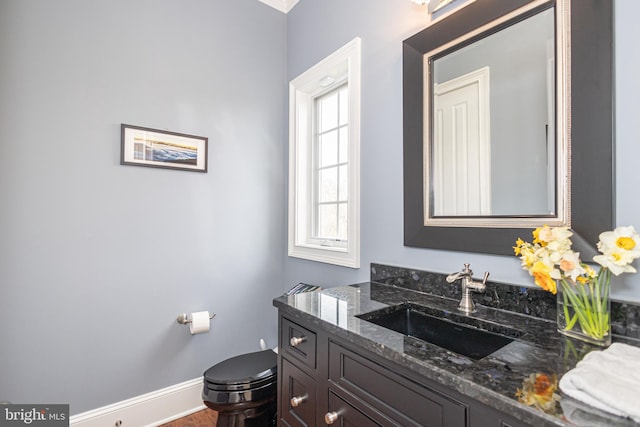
{"x":183,"y":318}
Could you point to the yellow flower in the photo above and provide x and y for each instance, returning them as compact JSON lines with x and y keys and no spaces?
{"x":536,"y":233}
{"x":590,"y":272}
{"x":518,"y":247}
{"x":542,"y":278}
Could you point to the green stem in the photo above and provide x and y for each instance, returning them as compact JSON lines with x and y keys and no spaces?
{"x":589,"y":302}
{"x":569,"y":320}
{"x":578,"y":307}
{"x":587,"y":294}
{"x":606,"y":278}
{"x":597,"y":302}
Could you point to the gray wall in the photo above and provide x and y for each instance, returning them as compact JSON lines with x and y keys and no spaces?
{"x":98,"y":259}
{"x":316,"y":28}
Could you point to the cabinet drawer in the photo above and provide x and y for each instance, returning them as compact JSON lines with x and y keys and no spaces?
{"x":298,"y":405}
{"x":403,"y":400}
{"x":299,"y":342}
{"x":343,"y":414}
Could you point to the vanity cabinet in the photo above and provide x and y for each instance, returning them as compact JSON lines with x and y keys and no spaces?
{"x":326,"y":380}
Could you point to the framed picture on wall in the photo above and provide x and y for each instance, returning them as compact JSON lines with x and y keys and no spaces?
{"x":155,"y":148}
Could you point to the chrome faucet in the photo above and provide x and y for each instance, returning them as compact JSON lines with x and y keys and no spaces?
{"x":468,"y":285}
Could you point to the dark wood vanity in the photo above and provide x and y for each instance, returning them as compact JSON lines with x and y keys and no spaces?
{"x":325,"y":380}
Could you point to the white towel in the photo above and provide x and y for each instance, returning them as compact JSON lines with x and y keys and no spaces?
{"x":608,"y":380}
{"x":579,"y":414}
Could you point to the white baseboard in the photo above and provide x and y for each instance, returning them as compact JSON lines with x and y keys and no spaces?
{"x":149,"y":410}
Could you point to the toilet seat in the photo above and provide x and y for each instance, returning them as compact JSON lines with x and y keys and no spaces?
{"x":243,"y":378}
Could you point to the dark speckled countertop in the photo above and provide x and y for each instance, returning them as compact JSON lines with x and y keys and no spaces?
{"x":494,"y":379}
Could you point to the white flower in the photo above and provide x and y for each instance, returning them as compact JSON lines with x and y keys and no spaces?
{"x":617,"y":266}
{"x":619,"y":249}
{"x":548,"y":234}
{"x":570,"y":265}
{"x":562,"y":233}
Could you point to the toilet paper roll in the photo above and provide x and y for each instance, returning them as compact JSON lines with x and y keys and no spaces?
{"x":199,"y":322}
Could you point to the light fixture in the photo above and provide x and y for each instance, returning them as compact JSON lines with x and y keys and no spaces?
{"x":440,"y":5}
{"x":435,"y":6}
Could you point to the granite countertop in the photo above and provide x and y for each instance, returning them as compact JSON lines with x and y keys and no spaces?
{"x":493,"y":380}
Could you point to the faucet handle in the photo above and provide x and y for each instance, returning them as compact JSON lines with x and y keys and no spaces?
{"x":486,"y":276}
{"x":453,"y":277}
{"x":479,"y":286}
{"x":465,"y":272}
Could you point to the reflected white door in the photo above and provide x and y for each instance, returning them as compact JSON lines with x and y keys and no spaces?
{"x":461,"y":157}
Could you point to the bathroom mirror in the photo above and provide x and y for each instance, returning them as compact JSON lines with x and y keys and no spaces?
{"x":535,"y":76}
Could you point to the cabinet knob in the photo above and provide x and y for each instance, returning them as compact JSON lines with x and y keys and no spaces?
{"x":330,"y":417}
{"x":297,"y":400}
{"x":295,"y":341}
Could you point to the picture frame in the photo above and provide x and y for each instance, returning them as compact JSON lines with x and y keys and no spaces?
{"x":141,"y":146}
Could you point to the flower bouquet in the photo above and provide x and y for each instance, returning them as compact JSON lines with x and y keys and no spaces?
{"x":583,"y":294}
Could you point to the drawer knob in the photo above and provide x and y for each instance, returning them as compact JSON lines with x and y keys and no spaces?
{"x":297,"y":400}
{"x":330,"y":417}
{"x":296,"y":341}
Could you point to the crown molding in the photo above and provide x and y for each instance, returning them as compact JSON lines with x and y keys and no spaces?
{"x":283,"y":6}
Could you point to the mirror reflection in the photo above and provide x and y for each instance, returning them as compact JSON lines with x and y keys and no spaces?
{"x":493,"y":148}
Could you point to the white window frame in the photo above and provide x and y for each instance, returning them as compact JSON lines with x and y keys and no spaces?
{"x":342,"y":66}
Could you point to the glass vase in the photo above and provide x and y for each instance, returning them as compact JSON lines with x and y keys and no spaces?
{"x":584,"y":310}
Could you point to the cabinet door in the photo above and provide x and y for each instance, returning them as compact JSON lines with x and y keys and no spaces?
{"x":343,"y":414}
{"x":409,"y":403}
{"x":298,"y":404}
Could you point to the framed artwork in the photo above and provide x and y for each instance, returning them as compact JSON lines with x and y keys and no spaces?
{"x":155,"y":148}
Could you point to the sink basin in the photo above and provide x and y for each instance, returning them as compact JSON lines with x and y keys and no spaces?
{"x":417,"y":321}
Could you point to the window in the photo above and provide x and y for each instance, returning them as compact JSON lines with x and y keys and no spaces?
{"x":331,"y":168}
{"x":324,"y":160}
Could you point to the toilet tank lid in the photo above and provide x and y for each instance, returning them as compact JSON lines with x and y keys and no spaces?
{"x":243,"y":368}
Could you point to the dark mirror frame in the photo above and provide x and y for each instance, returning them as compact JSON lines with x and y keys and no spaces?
{"x":591,"y":120}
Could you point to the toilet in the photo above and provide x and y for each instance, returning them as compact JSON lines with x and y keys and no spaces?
{"x":243,"y":389}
